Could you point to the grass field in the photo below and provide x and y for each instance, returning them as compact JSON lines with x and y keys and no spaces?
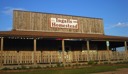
{"x":85,"y":70}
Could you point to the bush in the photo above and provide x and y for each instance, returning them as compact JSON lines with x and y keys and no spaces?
{"x":14,"y":68}
{"x":5,"y":68}
{"x":96,"y":63}
{"x":69,"y":65}
{"x":106,"y":63}
{"x":58,"y":64}
{"x":125,"y":62}
{"x":24,"y":67}
{"x":31,"y":67}
{"x":38,"y":67}
{"x":18,"y":68}
{"x":91,"y":62}
{"x":47,"y":67}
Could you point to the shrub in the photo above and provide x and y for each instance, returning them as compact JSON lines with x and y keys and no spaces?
{"x":69,"y":65}
{"x":18,"y":68}
{"x":58,"y":64}
{"x":14,"y":68}
{"x":96,"y":63}
{"x":31,"y":67}
{"x":105,"y":62}
{"x":23,"y":67}
{"x":5,"y":68}
{"x":91,"y":62}
{"x":38,"y":67}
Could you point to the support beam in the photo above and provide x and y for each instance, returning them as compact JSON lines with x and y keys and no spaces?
{"x":126,"y":48}
{"x":107,"y":44}
{"x":2,"y":41}
{"x":115,"y":49}
{"x":35,"y":52}
{"x":88,"y":48}
{"x":63,"y":50}
{"x":1,"y":49}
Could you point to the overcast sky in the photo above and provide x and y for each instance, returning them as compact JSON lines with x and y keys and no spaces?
{"x":113,"y":12}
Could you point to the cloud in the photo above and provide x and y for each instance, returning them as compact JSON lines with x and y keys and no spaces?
{"x":119,"y":25}
{"x":9,"y":28}
{"x":9,"y":10}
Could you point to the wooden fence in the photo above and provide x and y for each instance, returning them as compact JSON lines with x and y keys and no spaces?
{"x":27,"y":57}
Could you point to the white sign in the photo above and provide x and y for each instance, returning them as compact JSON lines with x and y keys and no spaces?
{"x":64,"y":23}
{"x":107,"y":43}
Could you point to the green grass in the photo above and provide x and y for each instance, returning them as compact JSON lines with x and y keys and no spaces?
{"x":86,"y":70}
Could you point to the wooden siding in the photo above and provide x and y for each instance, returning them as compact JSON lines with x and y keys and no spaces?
{"x":34,"y":21}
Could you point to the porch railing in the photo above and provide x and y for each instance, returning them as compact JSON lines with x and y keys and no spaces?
{"x":27,"y":57}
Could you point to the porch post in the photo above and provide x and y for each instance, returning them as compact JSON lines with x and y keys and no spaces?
{"x":126,"y":48}
{"x":107,"y":44}
{"x":88,"y":48}
{"x":1,"y":49}
{"x":35,"y":52}
{"x":63,"y":50}
{"x":115,"y":49}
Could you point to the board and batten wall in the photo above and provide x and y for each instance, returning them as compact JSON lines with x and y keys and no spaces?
{"x":36,"y":21}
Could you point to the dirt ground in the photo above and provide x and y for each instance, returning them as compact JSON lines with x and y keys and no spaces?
{"x":119,"y":71}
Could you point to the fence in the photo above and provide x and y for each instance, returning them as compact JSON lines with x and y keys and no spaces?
{"x":27,"y":57}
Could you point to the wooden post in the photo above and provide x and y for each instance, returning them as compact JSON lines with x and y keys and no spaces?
{"x":126,"y":49}
{"x":63,"y":50}
{"x":125,"y":43}
{"x":51,"y":58}
{"x":88,"y":48}
{"x":107,"y":44}
{"x":35,"y":52}
{"x":1,"y":47}
{"x":115,"y":49}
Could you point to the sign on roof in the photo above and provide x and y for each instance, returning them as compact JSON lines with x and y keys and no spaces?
{"x":64,"y":23}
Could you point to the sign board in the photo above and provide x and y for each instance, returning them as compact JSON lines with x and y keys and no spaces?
{"x":64,"y":23}
{"x":107,"y":43}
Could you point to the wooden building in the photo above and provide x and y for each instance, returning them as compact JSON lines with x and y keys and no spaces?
{"x":45,"y":38}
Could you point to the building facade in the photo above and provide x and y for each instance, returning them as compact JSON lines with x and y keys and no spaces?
{"x":46,"y":38}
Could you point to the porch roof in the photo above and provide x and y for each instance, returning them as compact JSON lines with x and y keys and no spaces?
{"x":36,"y":34}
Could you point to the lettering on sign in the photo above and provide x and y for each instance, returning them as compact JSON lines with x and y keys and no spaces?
{"x":64,"y":23}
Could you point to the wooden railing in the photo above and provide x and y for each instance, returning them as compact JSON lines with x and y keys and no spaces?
{"x":27,"y":57}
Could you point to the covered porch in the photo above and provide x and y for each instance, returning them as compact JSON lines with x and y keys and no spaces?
{"x":23,"y":48}
{"x":53,"y":51}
